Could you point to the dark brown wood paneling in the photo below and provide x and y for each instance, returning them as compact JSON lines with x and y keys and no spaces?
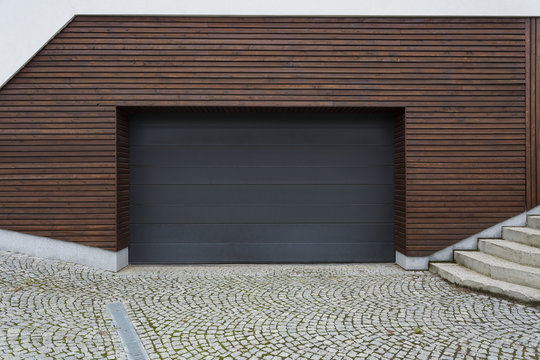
{"x":535,"y":97}
{"x":400,"y":183}
{"x":532,"y":119}
{"x":122,"y":180}
{"x":463,"y":82}
{"x":530,"y":143}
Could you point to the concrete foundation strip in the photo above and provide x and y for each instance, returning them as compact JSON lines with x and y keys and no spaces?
{"x":130,"y":340}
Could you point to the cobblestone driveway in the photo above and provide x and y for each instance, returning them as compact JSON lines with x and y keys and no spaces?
{"x":56,"y":310}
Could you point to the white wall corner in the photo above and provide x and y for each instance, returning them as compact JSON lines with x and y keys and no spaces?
{"x":63,"y":250}
{"x":470,"y":243}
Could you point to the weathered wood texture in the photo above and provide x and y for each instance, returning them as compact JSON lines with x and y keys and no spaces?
{"x":463,"y":83}
{"x":400,"y":189}
{"x":533,"y":111}
{"x":535,"y":117}
{"x":122,"y":178}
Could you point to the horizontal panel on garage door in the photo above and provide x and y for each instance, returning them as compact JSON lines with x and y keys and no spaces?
{"x":281,"y":186}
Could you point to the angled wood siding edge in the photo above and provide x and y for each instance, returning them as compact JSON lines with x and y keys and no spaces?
{"x":37,"y":52}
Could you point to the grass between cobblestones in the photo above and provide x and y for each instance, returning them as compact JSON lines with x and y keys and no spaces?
{"x":55,"y":310}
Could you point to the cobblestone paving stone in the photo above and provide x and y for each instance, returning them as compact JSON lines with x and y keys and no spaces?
{"x":51,"y":309}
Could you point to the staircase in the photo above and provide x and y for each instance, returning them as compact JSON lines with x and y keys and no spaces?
{"x":509,"y":266}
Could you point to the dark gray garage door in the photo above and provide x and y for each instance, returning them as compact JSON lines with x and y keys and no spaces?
{"x":261,"y":186}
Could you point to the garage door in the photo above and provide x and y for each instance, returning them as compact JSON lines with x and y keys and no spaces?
{"x":261,"y":186}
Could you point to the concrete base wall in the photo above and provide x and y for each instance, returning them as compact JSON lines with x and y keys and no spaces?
{"x":470,"y":243}
{"x":63,"y":250}
{"x":115,"y":261}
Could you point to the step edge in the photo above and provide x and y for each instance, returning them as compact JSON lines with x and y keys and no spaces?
{"x":512,"y":251}
{"x":512,"y":272}
{"x":496,"y":258}
{"x":488,"y":284}
{"x":510,"y":243}
{"x":521,"y":229}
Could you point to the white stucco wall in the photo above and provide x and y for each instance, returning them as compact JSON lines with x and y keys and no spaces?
{"x":26,"y":25}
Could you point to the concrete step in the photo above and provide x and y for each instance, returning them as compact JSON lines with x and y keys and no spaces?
{"x":498,"y":268}
{"x":460,"y":275}
{"x":523,"y":235}
{"x":533,"y":221}
{"x":511,"y":251}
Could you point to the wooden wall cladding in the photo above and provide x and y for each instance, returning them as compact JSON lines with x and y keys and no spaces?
{"x":533,"y":112}
{"x":122,"y":178}
{"x":463,"y":82}
{"x":400,"y":182}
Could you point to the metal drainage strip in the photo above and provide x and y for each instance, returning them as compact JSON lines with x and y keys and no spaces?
{"x":131,"y":342}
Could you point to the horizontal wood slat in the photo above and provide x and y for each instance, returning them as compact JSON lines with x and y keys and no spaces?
{"x":464,"y":157}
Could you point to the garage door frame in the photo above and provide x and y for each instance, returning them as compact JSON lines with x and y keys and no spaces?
{"x":122,"y":155}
